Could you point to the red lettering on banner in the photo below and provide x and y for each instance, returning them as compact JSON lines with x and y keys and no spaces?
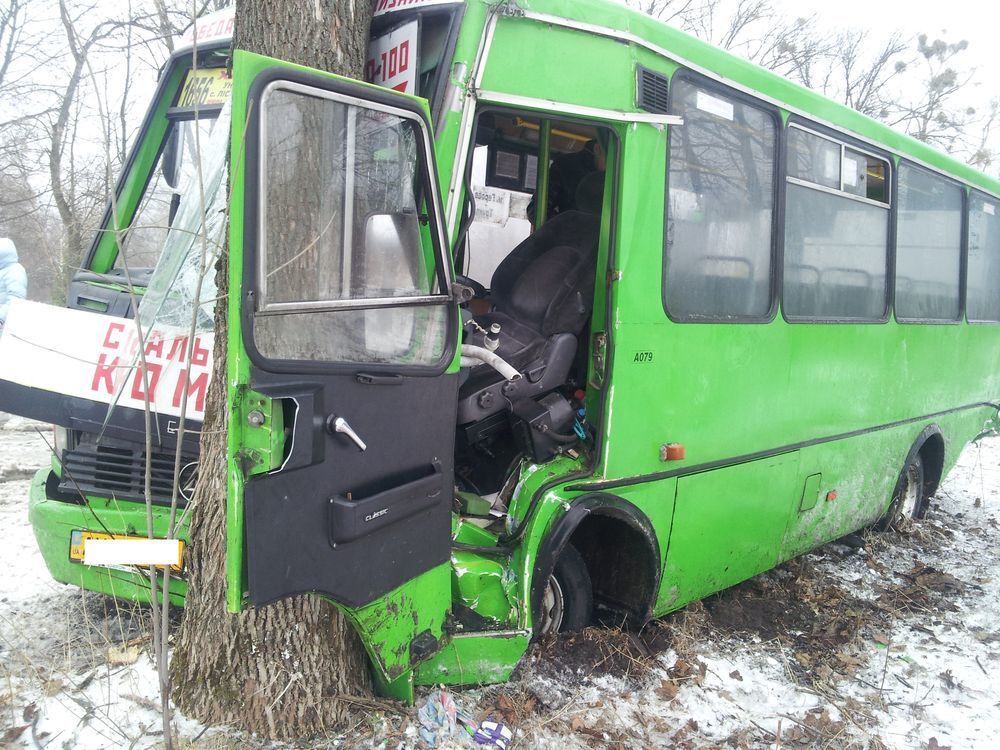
{"x":112,"y":327}
{"x":404,"y":56}
{"x":104,"y":373}
{"x":200,"y":354}
{"x":178,"y":347}
{"x":196,"y":388}
{"x":155,"y":344}
{"x":138,"y":383}
{"x":384,"y":6}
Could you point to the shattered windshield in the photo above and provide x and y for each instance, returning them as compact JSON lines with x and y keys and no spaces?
{"x":147,"y":234}
{"x":181,"y":295}
{"x":185,"y":271}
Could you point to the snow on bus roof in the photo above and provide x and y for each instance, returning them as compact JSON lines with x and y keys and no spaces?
{"x":213,"y":27}
{"x":382,"y":7}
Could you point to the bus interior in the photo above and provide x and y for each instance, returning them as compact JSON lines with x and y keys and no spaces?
{"x":530,"y":267}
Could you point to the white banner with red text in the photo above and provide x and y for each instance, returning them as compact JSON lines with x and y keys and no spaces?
{"x":92,"y":356}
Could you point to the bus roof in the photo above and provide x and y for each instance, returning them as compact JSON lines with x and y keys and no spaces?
{"x":638,"y":28}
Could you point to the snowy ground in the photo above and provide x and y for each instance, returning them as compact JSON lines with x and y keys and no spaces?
{"x":894,"y":645}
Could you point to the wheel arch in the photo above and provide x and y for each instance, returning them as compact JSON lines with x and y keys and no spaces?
{"x":930,"y":446}
{"x":636,"y":567}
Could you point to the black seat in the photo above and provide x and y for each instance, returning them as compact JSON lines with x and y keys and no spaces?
{"x":542,"y":295}
{"x":545,"y":285}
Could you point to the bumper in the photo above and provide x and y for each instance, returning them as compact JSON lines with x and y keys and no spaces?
{"x":53,"y":521}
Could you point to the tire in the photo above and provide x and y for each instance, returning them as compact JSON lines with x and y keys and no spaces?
{"x":910,"y":501}
{"x":567,"y":599}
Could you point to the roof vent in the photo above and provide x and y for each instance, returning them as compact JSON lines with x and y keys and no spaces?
{"x":652,"y":91}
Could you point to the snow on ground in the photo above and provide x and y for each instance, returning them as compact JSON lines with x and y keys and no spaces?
{"x":895,"y":644}
{"x":76,"y":672}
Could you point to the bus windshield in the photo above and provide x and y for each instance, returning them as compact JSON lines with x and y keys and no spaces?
{"x":184,"y":270}
{"x":191,"y":121}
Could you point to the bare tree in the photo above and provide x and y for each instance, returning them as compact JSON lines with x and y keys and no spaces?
{"x":62,"y":133}
{"x":935,"y":116}
{"x":293,"y":668}
{"x":865,"y":78}
{"x":982,"y":150}
{"x":863,"y":71}
{"x":11,"y":34}
{"x":684,"y":12}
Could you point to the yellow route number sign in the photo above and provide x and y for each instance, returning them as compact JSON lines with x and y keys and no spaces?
{"x":206,"y":88}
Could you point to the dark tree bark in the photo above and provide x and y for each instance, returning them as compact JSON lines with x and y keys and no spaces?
{"x":290,"y":669}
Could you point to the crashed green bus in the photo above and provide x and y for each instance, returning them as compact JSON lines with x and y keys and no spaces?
{"x":567,"y":317}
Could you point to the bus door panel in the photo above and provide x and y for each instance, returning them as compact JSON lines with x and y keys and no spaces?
{"x":349,"y":328}
{"x":729,"y":524}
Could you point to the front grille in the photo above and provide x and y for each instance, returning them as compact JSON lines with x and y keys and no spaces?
{"x":119,"y":472}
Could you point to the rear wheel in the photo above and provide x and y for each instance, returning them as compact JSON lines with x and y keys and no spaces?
{"x":567,"y":601}
{"x":909,"y":501}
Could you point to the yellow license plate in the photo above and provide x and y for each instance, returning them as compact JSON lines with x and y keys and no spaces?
{"x":78,"y":541}
{"x":205,"y":88}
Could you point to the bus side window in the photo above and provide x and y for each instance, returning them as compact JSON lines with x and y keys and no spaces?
{"x":836,"y":225}
{"x":928,"y":246}
{"x":720,"y":204}
{"x":984,"y":259}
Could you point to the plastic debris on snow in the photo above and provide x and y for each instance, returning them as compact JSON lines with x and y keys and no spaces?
{"x":493,"y":733}
{"x":438,"y":718}
{"x":441,"y":720}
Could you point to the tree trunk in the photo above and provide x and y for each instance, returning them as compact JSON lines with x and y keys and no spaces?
{"x":282,"y":671}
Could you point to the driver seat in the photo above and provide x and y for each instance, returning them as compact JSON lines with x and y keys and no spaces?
{"x":542,"y":294}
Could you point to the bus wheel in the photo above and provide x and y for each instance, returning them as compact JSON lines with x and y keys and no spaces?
{"x":909,"y":502}
{"x":567,"y":600}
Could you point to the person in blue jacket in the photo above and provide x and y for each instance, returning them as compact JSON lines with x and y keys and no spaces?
{"x":13,"y":279}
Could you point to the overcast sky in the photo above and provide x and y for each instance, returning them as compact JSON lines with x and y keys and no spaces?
{"x":976,"y":21}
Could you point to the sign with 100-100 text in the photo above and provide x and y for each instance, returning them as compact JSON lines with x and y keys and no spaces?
{"x":392,"y":59}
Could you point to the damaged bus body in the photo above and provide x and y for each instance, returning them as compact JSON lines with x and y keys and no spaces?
{"x":570,"y":337}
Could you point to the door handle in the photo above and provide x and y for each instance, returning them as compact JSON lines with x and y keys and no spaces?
{"x":335,"y":425}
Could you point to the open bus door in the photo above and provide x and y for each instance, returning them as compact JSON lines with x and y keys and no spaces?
{"x":343,"y":330}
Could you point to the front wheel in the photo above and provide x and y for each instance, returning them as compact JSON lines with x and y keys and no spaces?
{"x":567,"y":601}
{"x":909,"y":501}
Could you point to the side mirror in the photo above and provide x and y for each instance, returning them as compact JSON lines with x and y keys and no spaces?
{"x":393,"y":255}
{"x":171,"y":157}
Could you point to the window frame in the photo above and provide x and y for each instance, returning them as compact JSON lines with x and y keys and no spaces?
{"x":366,"y":96}
{"x":846,"y":142}
{"x":460,"y":250}
{"x":967,"y":226}
{"x":777,"y":196}
{"x":963,"y":264}
{"x":263,"y":307}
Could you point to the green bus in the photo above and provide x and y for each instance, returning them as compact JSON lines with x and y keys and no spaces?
{"x":573,"y":318}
